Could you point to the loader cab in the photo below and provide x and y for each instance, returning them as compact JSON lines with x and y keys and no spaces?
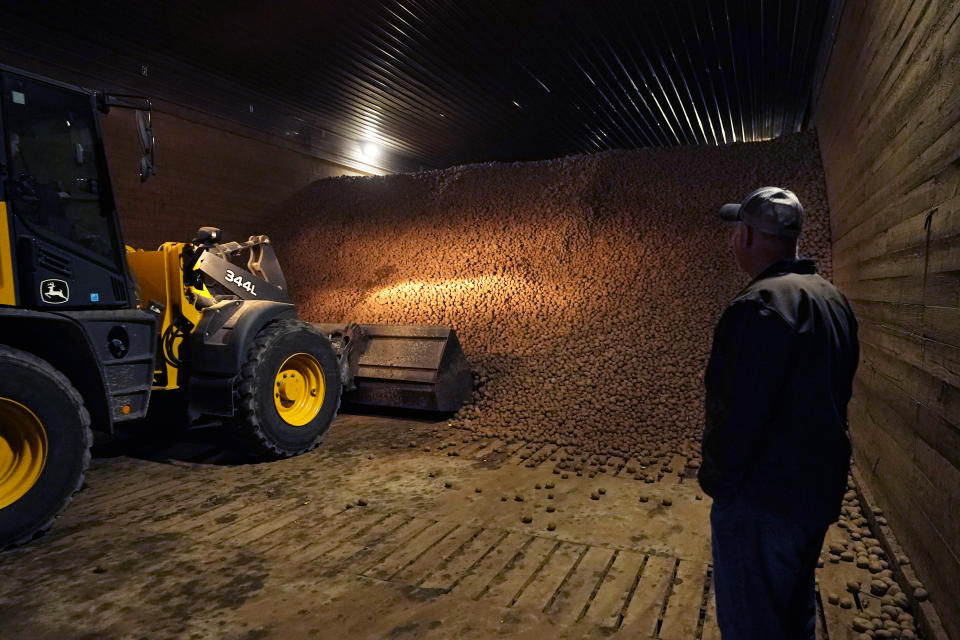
{"x":60,"y":241}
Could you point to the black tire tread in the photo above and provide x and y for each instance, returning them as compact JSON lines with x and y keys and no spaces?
{"x":246,"y":423}
{"x":33,"y":362}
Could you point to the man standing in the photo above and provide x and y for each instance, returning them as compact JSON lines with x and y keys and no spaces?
{"x":775,"y":447}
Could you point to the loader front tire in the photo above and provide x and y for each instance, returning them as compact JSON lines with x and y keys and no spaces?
{"x":288,"y":390}
{"x":45,"y":442}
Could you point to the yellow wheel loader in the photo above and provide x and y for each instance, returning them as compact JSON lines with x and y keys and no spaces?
{"x":92,"y":332}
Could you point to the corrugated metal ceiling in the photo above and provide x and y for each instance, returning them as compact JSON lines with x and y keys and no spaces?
{"x":438,"y":82}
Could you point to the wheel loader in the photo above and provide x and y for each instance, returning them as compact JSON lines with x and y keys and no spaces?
{"x":92,"y":333}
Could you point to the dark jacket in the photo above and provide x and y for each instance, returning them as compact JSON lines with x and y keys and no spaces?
{"x":778,"y":382}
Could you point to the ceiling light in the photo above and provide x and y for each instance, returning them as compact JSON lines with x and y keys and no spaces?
{"x":369,"y":150}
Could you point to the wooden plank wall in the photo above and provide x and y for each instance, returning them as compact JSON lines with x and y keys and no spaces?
{"x":889,"y":127}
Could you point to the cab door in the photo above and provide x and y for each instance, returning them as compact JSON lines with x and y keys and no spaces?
{"x":62,"y":218}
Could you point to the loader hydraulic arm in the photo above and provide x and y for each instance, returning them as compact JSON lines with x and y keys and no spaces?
{"x":262,"y":279}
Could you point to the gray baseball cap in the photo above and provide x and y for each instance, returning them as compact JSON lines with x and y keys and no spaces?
{"x":768,"y":209}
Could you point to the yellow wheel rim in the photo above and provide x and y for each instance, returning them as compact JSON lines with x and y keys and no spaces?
{"x":299,"y":389}
{"x":23,"y":450}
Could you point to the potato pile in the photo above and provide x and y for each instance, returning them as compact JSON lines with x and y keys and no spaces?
{"x":894,"y":618}
{"x":584,"y":290}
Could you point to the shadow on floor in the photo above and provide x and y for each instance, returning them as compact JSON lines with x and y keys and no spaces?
{"x":165,"y":437}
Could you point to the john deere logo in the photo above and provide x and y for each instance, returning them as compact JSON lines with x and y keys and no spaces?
{"x":54,"y":291}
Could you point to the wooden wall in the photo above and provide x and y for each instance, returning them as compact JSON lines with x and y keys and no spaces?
{"x":889,"y":128}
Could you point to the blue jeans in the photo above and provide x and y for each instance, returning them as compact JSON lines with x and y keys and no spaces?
{"x":764,"y":571}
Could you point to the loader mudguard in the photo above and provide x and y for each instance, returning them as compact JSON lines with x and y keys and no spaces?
{"x":217,"y":347}
{"x":107,"y":355}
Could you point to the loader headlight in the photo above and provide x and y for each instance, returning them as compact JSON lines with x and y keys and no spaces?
{"x":118,"y":342}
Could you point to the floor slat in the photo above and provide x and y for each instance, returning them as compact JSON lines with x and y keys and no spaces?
{"x":645,"y":607}
{"x":539,"y":593}
{"x":447,"y":575}
{"x":422,"y":567}
{"x":607,"y":605}
{"x":576,"y":592}
{"x":411,"y":551}
{"x":682,"y":616}
{"x":510,"y":583}
{"x":475,"y":582}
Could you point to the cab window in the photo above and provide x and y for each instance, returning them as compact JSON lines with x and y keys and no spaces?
{"x":53,"y":166}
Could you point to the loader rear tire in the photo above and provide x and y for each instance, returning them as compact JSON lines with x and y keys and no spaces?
{"x":45,"y":442}
{"x":288,"y":390}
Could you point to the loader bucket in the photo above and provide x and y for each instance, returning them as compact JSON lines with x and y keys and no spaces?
{"x":401,"y":366}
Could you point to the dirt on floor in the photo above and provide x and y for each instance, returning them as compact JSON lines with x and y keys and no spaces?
{"x":393,"y":528}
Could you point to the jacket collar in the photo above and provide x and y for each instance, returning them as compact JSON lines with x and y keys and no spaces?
{"x":798,"y":265}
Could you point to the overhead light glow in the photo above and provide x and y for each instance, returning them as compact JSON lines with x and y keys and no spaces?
{"x":370,"y":150}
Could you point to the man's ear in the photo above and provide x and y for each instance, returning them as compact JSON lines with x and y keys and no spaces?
{"x":748,"y":237}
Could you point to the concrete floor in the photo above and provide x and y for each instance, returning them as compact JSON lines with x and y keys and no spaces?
{"x":393,"y":528}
